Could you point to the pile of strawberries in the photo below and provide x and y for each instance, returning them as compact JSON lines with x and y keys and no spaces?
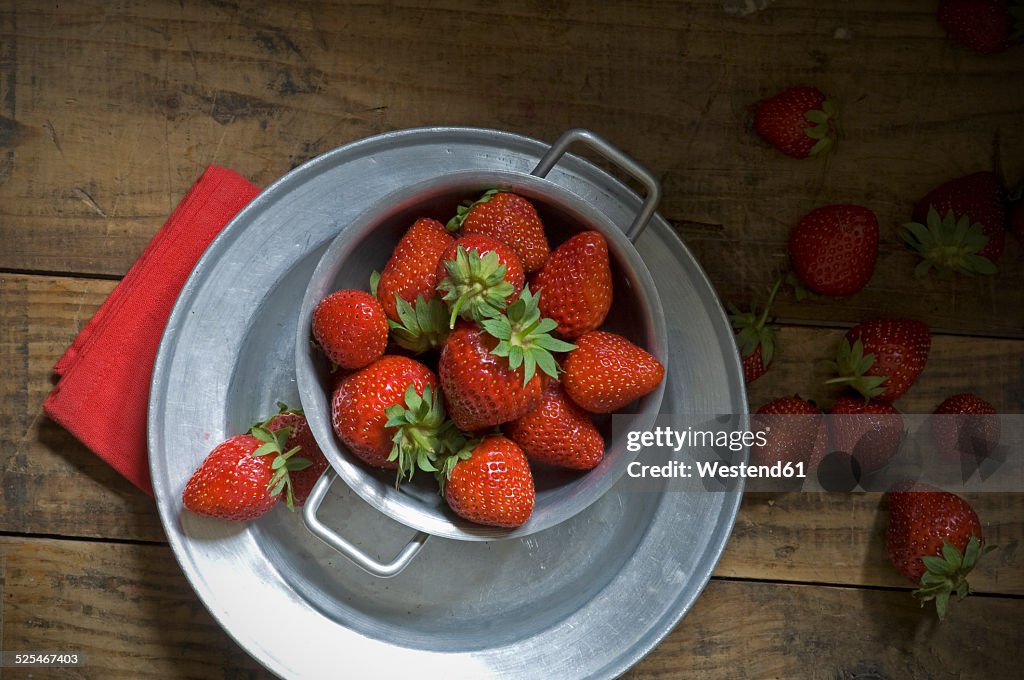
{"x":959,"y":228}
{"x":477,"y":352}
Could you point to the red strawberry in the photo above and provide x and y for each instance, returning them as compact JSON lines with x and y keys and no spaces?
{"x":489,"y":375}
{"x":754,"y":339}
{"x":238,"y":479}
{"x":351,"y":328}
{"x":384,"y":413}
{"x":985,"y":26}
{"x":575,"y":284}
{"x":799,"y":121}
{"x":411,"y":270}
{"x":882,"y":358}
{"x":934,"y":538}
{"x":870,"y":432}
{"x":479,"y":276}
{"x":301,"y":439}
{"x":558,"y":432}
{"x":965,"y":425}
{"x":794,"y":432}
{"x":606,"y":372}
{"x":509,"y":218}
{"x":490,"y":484}
{"x":833,"y":249}
{"x":960,"y":226}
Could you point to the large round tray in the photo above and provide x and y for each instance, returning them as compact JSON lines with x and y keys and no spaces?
{"x":585,"y":599}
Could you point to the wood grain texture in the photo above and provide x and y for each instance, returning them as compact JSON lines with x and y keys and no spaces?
{"x":112,"y":111}
{"x":752,"y":631}
{"x":131,"y":612}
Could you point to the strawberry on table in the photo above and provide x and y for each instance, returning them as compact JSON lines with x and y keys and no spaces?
{"x":390,"y":414}
{"x":489,"y":483}
{"x":243,"y":477}
{"x":934,"y":538}
{"x":800,"y":121}
{"x":960,"y":226}
{"x":301,"y":440}
{"x":411,"y":271}
{"x":558,"y":432}
{"x":754,"y":338}
{"x":351,"y":328}
{"x":985,"y":26}
{"x":833,"y":249}
{"x":871,"y":432}
{"x":606,"y":372}
{"x":964,"y":424}
{"x":794,"y":432}
{"x":478,"y":277}
{"x":575,"y":284}
{"x":882,"y":358}
{"x":509,"y":218}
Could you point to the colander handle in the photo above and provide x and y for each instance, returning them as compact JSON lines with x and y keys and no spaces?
{"x":624,"y":163}
{"x":342,"y":545}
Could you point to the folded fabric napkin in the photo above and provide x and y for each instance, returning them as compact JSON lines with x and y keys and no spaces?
{"x":102,"y":394}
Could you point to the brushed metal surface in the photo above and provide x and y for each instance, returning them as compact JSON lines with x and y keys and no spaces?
{"x":586,"y":598}
{"x":366,"y":243}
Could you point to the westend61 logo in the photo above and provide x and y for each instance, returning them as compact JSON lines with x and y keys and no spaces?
{"x":825,"y":453}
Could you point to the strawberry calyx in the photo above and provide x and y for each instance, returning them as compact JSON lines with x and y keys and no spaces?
{"x":421,"y":326}
{"x":852,"y":366}
{"x":825,"y":127}
{"x":524,"y":337}
{"x":948,"y":244}
{"x":423,"y":432}
{"x":751,"y":327}
{"x":946,"y":575}
{"x":285,"y":462}
{"x":475,"y":287}
{"x":462,"y":211}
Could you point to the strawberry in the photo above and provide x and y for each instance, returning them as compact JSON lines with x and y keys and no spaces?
{"x":833,"y":249}
{"x":390,"y":414}
{"x":964,"y":425}
{"x":871,"y":432}
{"x":575,"y":284}
{"x":882,"y":358}
{"x":960,"y":226}
{"x":489,"y":375}
{"x":794,"y":432}
{"x":558,"y":432}
{"x":754,"y":339}
{"x":509,"y":218}
{"x":985,"y":26}
{"x":351,"y":328}
{"x":301,"y":439}
{"x":606,"y":372}
{"x":242,"y":478}
{"x":479,"y":276}
{"x":411,"y":271}
{"x":934,"y":538}
{"x":799,"y":121}
{"x":490,"y":483}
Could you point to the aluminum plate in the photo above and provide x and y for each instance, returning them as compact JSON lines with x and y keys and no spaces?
{"x":585,"y":599}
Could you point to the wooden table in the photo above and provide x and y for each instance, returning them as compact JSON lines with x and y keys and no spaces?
{"x":109,"y":111}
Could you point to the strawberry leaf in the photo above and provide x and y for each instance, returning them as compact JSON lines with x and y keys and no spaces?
{"x":421,"y":326}
{"x":524,"y":337}
{"x":948,"y":244}
{"x":475,"y":287}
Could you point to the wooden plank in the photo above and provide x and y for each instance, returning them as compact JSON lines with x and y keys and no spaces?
{"x":53,"y":485}
{"x":130,"y":610}
{"x":127,"y":608}
{"x":114,"y":111}
{"x":751,"y":631}
{"x":840,"y":538}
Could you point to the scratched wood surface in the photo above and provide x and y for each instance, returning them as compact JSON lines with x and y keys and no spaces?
{"x":109,"y":111}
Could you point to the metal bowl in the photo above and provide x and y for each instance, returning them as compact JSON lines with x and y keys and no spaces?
{"x":367,"y":242}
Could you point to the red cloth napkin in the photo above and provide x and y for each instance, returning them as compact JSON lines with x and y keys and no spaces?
{"x":102,"y":394}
